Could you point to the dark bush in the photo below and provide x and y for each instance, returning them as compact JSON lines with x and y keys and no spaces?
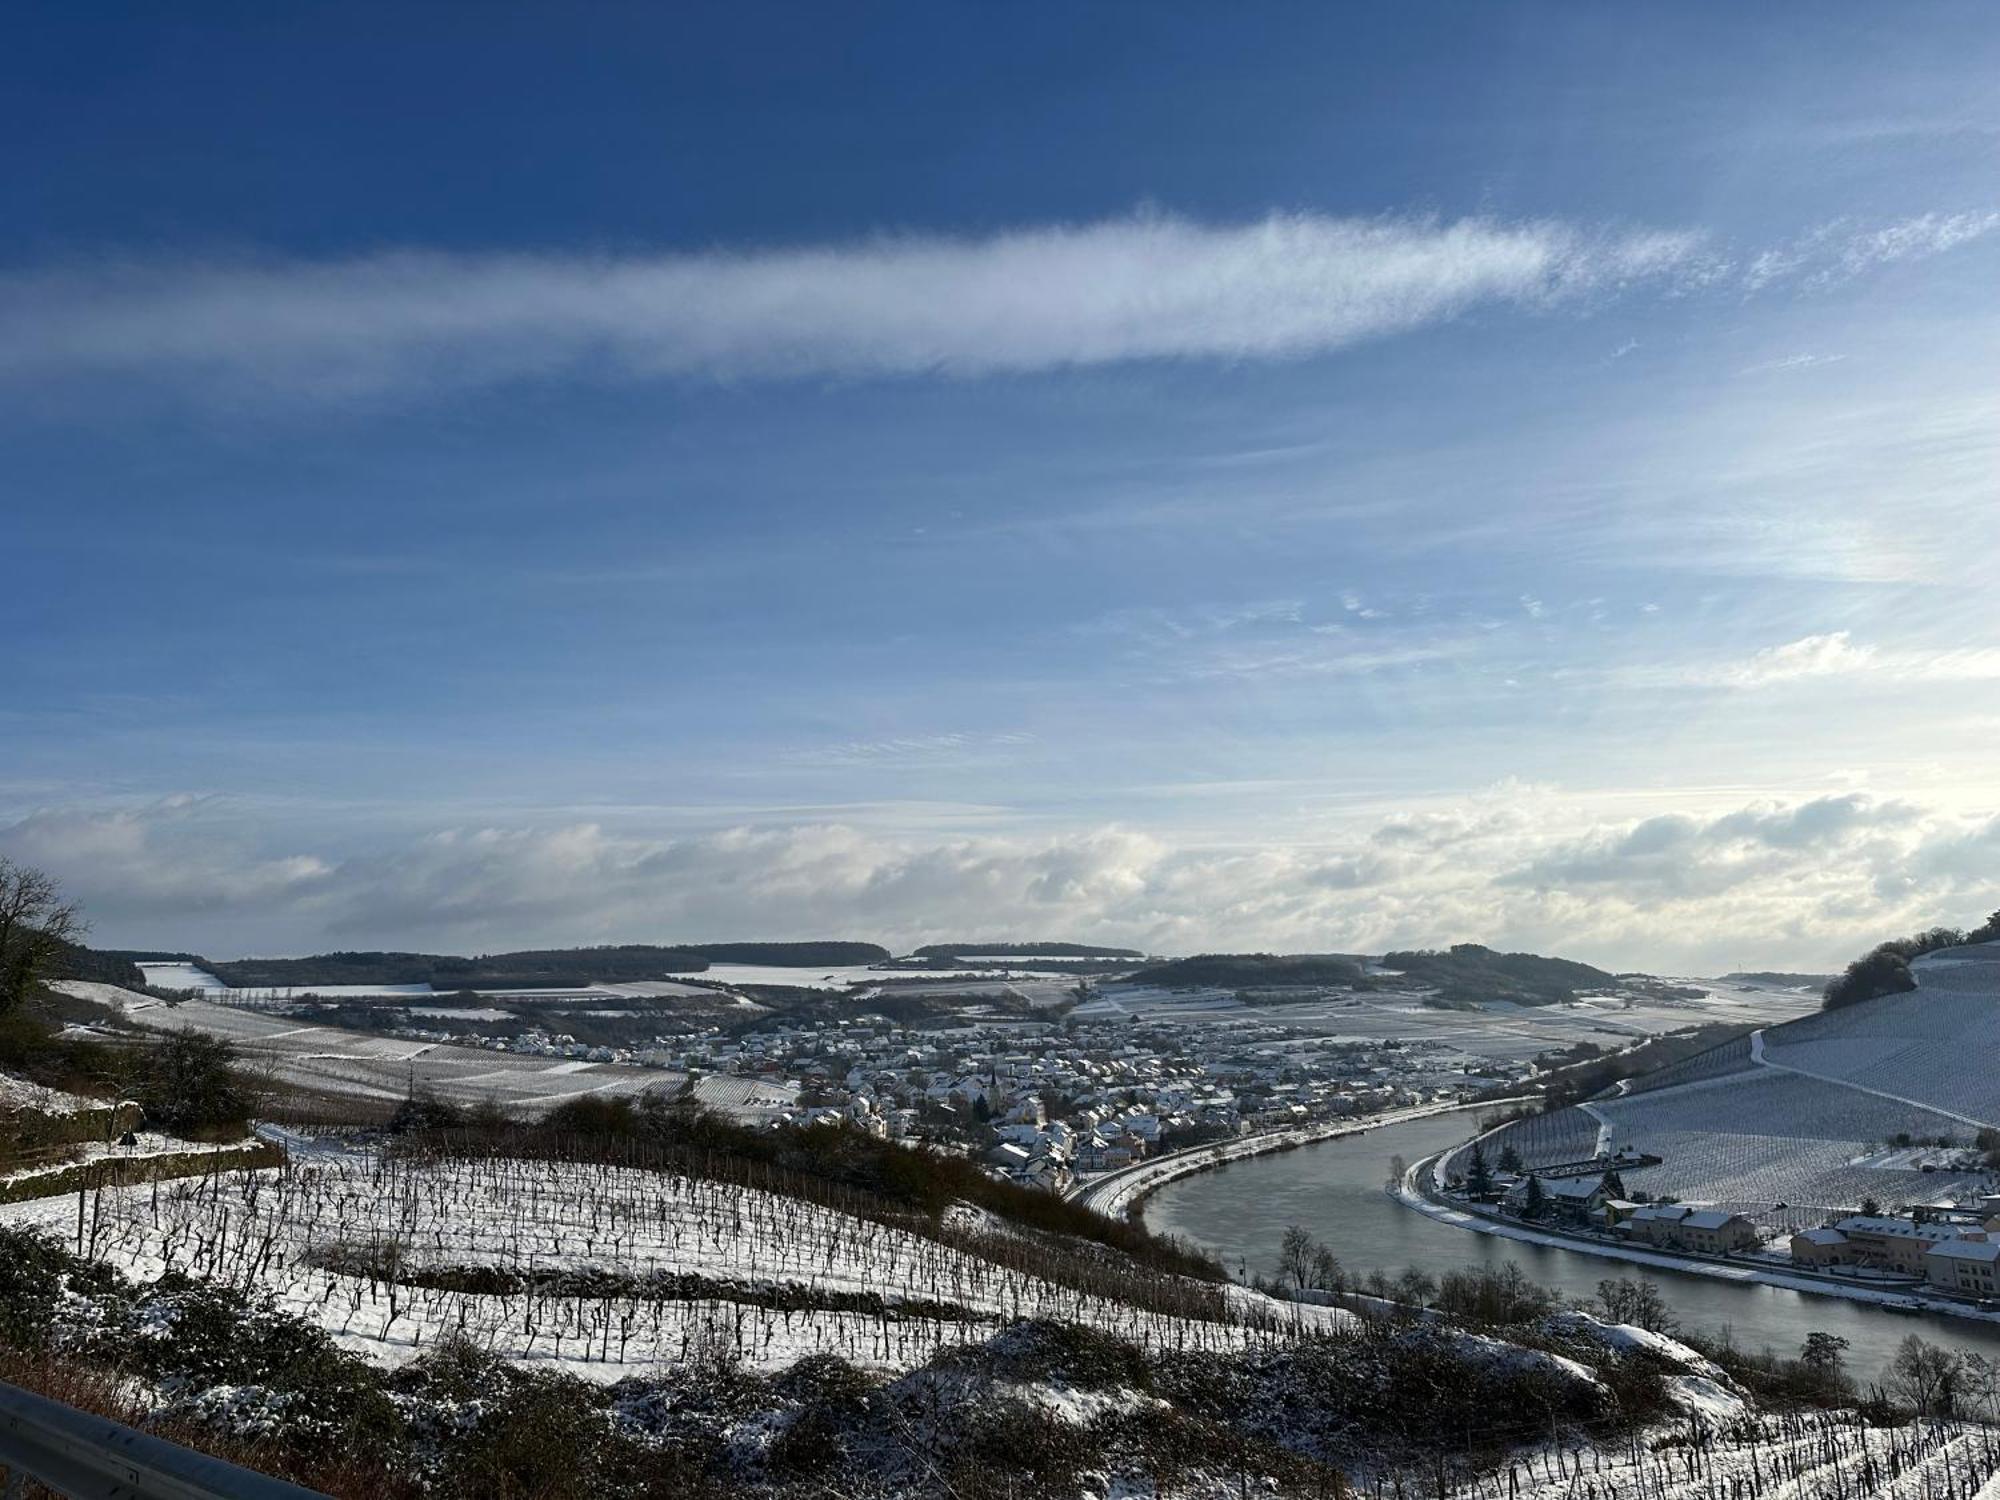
{"x":185,"y":1083}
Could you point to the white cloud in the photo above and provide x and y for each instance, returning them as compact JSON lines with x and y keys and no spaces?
{"x":1791,"y":362}
{"x":1810,"y":656}
{"x":1145,"y":287}
{"x":1793,"y":884}
{"x":1831,"y":654}
{"x":1914,"y":239}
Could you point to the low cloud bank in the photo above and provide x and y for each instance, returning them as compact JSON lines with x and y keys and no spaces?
{"x":1799,"y":884}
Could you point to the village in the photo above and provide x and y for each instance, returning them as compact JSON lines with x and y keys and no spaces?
{"x":1047,"y":1102}
{"x":1949,"y":1248}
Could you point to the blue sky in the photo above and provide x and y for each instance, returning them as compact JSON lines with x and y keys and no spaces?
{"x":1309,"y":477}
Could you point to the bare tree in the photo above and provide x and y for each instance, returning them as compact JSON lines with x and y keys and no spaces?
{"x":1295,"y":1257}
{"x":1929,"y":1378}
{"x":1635,"y":1302}
{"x":36,"y":925}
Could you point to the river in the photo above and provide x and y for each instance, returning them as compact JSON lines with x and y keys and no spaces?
{"x":1239,"y":1211}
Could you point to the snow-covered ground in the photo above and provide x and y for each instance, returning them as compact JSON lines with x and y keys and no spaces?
{"x":1812,"y":1456}
{"x":358,"y":1065}
{"x":20,"y":1094}
{"x":179,"y":976}
{"x":287,"y":1231}
{"x":190,"y":978}
{"x":1795,"y":1123}
{"x":149,"y":1144}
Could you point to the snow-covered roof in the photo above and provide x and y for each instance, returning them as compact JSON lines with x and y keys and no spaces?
{"x":1709,"y":1218}
{"x":1965,"y":1249}
{"x":1882,"y":1224}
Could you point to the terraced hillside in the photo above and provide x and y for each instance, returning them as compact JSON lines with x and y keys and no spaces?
{"x":1816,"y":1114}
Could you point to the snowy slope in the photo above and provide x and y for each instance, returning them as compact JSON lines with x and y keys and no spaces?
{"x":345,"y":1239}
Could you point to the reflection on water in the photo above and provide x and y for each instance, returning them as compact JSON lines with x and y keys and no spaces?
{"x":1334,"y":1189}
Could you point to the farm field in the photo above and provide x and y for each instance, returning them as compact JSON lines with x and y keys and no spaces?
{"x":1810,"y":1117}
{"x":607,"y":1270}
{"x":1495,"y":1032}
{"x":384,"y":1069}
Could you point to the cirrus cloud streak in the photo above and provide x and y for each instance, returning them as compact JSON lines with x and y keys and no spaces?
{"x":1143,"y":287}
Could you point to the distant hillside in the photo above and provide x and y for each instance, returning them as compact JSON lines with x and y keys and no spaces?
{"x":534,"y":968}
{"x":814,"y":955}
{"x":104,"y":965}
{"x":1769,"y":976}
{"x":1249,"y":970}
{"x":1885,"y":968}
{"x":1469,"y":973}
{"x":1025,"y":950}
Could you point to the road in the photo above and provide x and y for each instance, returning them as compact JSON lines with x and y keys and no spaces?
{"x":1114,"y":1193}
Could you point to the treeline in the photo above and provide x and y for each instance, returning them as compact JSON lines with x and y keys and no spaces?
{"x":105,"y":965}
{"x":1251,"y":970}
{"x":1585,"y":1069}
{"x":1885,"y":968}
{"x":1469,"y":973}
{"x":1025,"y":950}
{"x":533,"y":968}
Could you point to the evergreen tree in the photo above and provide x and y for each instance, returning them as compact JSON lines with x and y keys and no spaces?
{"x":1478,"y":1176}
{"x":1510,"y":1159}
{"x":1535,"y":1200}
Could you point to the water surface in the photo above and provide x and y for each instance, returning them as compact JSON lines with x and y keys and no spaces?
{"x":1335,"y":1190}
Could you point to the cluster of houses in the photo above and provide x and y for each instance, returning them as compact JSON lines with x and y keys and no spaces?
{"x":1044,"y":1101}
{"x":1953,"y":1249}
{"x":1591,"y":1195}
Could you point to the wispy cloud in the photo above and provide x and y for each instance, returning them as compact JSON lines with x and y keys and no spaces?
{"x":1791,"y":362}
{"x":899,"y":750}
{"x":1914,"y":239}
{"x":1840,"y":250}
{"x":1833,"y":654}
{"x":1143,"y":287}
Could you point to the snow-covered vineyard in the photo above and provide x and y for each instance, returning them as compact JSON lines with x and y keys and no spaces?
{"x":1813,"y":1116}
{"x":1805,"y":1456}
{"x":608,"y":1270}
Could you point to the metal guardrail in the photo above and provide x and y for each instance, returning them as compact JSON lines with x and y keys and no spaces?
{"x":87,"y":1457}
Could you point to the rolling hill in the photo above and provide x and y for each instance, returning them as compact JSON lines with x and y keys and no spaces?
{"x":1884,"y":1099}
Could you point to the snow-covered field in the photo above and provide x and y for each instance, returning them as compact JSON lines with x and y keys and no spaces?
{"x":1808,"y":1456}
{"x":1793,"y":1122}
{"x":1496,"y":1032}
{"x":343,"y":1239}
{"x":357,"y":1065}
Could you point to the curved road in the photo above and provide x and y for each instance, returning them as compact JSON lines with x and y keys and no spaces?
{"x":1114,"y":1193}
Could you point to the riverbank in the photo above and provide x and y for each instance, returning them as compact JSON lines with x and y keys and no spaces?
{"x":1117,"y":1194}
{"x":1417,"y":1191}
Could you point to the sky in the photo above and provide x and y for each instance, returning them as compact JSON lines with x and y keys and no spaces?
{"x":1296,"y":477}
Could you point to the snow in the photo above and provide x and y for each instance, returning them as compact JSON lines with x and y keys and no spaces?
{"x":1778,"y":1458}
{"x":287,"y":1229}
{"x":20,"y":1094}
{"x":853,"y":976}
{"x":1787,"y":1125}
{"x":150,"y":1144}
{"x":360,"y":1065}
{"x":1626,"y":1339}
{"x":179,"y":976}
